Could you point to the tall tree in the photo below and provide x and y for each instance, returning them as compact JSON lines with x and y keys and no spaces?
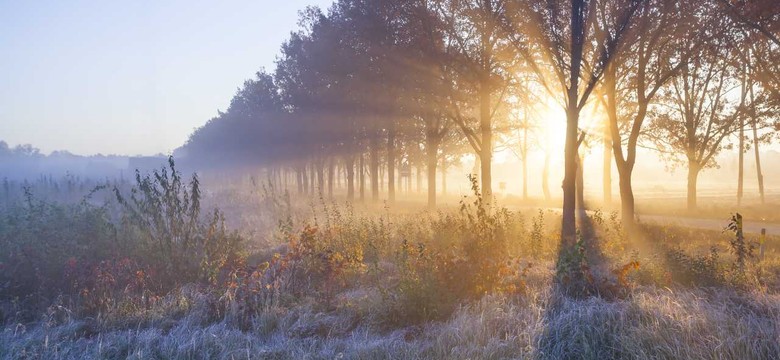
{"x":665,"y":35}
{"x":477,"y":49}
{"x":575,"y":51}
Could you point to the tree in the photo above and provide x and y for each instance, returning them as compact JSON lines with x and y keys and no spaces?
{"x":476,"y":57}
{"x":665,"y":35}
{"x":575,"y":52}
{"x":700,"y":115}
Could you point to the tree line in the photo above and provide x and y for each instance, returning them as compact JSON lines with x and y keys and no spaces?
{"x":369,"y":88}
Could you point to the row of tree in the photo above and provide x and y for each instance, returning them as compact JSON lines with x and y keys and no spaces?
{"x":377,"y":85}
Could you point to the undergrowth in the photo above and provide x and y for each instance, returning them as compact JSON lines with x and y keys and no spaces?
{"x":151,"y":260}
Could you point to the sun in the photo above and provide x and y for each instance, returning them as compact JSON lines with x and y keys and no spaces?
{"x":551,"y":124}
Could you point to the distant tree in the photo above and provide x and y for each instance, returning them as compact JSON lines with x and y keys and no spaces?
{"x":478,"y":55}
{"x":699,"y":115}
{"x":665,"y":35}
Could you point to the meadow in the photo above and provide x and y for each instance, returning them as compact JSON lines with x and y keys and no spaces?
{"x":161,"y":266}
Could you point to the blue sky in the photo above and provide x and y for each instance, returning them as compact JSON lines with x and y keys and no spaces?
{"x":129,"y":77}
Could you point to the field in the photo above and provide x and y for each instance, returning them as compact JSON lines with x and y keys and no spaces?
{"x":147,"y":269}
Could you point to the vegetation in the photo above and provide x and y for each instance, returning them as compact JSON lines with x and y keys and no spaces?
{"x":366,"y":282}
{"x":292,"y":255}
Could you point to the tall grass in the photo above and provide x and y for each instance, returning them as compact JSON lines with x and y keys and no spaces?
{"x":148,"y":274}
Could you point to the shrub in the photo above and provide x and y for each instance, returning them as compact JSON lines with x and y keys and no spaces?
{"x":164,"y":214}
{"x":702,"y":270}
{"x":743,"y":250}
{"x":39,"y":239}
{"x":434,"y":278}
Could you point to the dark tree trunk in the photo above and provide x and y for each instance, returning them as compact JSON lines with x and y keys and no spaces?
{"x":626,"y":199}
{"x":486,"y":154}
{"x":624,"y":163}
{"x":444,"y":176}
{"x":362,"y":177}
{"x":607,"y":165}
{"x":580,"y":185}
{"x":311,"y":179}
{"x":568,"y":220}
{"x":338,"y":177}
{"x":320,"y":177}
{"x":330,"y":178}
{"x":433,"y":158}
{"x":693,"y":176}
{"x":391,"y":164}
{"x":418,"y":174}
{"x":374,"y":167}
{"x":741,"y":162}
{"x":299,"y":180}
{"x":305,"y":171}
{"x":400,"y":179}
{"x":382,"y":171}
{"x":350,"y":167}
{"x":759,"y":174}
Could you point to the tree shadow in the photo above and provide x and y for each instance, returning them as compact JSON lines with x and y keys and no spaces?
{"x":589,"y":250}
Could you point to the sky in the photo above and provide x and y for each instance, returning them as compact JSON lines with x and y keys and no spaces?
{"x":129,"y":77}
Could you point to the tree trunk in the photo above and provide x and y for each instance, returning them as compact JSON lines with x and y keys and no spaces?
{"x":418,"y":174}
{"x":432,"y":149}
{"x":741,"y":162}
{"x":374,"y":167}
{"x":362,"y":177}
{"x":350,"y":167}
{"x":693,"y":175}
{"x":330,"y":178}
{"x":338,"y":176}
{"x":382,"y":172}
{"x":299,"y":180}
{"x":580,"y":185}
{"x":391,"y":164}
{"x":486,"y":130}
{"x":626,"y":198}
{"x":320,"y":177}
{"x":305,"y":172}
{"x":607,"y":165}
{"x":399,"y":179}
{"x":758,"y":163}
{"x":444,"y":176}
{"x":311,"y":173}
{"x":568,"y":220}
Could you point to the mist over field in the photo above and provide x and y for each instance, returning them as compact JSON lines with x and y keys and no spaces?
{"x":415,"y":179}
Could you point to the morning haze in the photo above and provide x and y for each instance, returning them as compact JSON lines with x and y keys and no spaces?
{"x":390,"y":179}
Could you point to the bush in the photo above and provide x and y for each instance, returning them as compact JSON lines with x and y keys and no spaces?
{"x":474,"y":261}
{"x":39,"y":239}
{"x":102,"y":258}
{"x":164,"y":215}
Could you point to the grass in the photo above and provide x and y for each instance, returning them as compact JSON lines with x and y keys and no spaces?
{"x":653,"y":323}
{"x":321,"y":280}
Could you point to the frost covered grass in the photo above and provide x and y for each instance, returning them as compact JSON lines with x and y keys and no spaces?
{"x":335,"y":281}
{"x":653,"y":323}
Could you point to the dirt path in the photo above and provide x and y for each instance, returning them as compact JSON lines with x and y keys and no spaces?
{"x":750,"y":227}
{"x":711,"y":224}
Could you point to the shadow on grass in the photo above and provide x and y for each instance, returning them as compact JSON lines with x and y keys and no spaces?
{"x":572,"y":283}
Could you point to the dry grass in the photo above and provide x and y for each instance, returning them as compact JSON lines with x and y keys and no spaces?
{"x":363,"y":299}
{"x":653,"y":323}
